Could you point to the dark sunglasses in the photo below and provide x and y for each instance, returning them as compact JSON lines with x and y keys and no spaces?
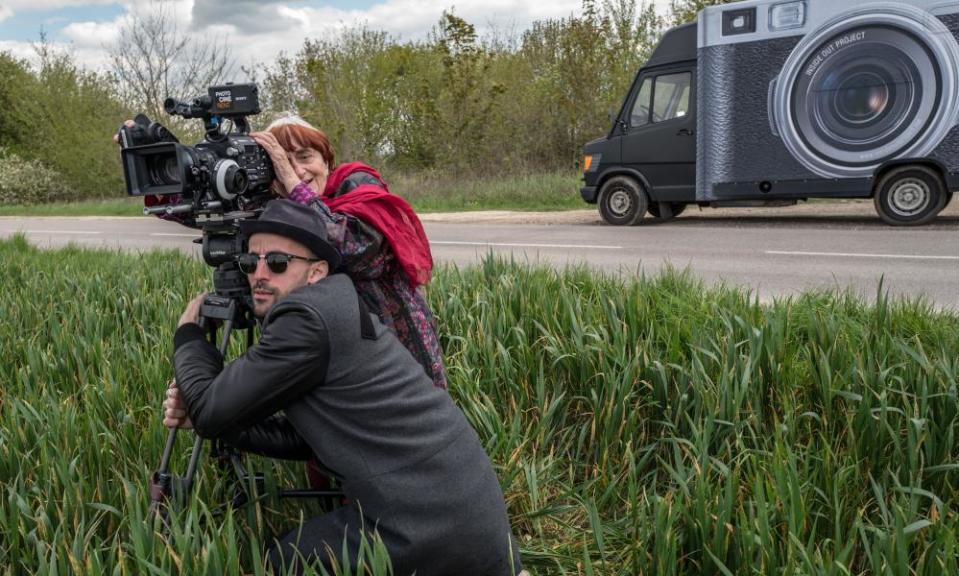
{"x":275,"y":261}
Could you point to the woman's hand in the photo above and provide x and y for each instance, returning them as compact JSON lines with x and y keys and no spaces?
{"x":286,"y":178}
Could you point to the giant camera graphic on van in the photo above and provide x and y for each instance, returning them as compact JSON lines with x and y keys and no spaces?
{"x":871,"y":84}
{"x":771,"y":102}
{"x":799,"y":91}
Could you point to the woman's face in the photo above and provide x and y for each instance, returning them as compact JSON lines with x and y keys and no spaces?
{"x":310,"y":167}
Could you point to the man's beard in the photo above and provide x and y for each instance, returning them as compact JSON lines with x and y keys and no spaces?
{"x":263,"y":286}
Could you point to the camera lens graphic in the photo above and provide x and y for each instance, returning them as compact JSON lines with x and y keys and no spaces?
{"x":867,"y":87}
{"x":858,"y":102}
{"x":869,"y":100}
{"x":861,"y":99}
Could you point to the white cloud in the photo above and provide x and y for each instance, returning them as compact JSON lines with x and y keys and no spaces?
{"x":293,"y":14}
{"x":19,"y":50}
{"x":5,"y":13}
{"x":258,"y":30}
{"x":91,"y":34}
{"x":180,"y":9}
{"x":92,"y":57}
{"x":247,"y":16}
{"x":18,"y":5}
{"x":413,"y":19}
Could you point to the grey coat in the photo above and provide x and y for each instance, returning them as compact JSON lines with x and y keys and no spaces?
{"x":409,"y":463}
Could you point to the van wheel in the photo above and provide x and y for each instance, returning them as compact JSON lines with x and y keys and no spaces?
{"x":655,"y":212}
{"x":622,"y":202}
{"x":909,"y":195}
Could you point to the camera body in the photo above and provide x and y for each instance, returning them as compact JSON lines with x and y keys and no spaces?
{"x":799,"y":91}
{"x":223,"y":177}
{"x":213,"y":185}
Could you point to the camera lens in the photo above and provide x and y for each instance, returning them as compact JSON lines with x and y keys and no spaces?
{"x":866,"y":87}
{"x":163,"y":170}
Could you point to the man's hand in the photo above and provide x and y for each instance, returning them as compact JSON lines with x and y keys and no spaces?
{"x":174,"y":412}
{"x":192,"y":312}
{"x":286,"y":178}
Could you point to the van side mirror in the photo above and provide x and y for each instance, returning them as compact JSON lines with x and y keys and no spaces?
{"x":609,"y":114}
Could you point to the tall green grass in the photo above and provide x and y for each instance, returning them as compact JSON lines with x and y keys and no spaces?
{"x":638,"y":426}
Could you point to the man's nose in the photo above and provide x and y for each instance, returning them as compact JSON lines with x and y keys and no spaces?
{"x":262,"y":270}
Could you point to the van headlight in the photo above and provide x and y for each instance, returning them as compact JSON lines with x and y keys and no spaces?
{"x":591,"y":162}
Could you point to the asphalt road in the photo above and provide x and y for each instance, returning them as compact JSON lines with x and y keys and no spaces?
{"x":773,"y":255}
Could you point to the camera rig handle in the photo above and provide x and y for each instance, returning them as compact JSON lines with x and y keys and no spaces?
{"x":229,"y":101}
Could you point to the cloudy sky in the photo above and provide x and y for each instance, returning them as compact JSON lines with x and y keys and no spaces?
{"x":258,"y":29}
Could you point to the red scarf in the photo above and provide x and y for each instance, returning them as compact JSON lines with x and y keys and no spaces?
{"x":388,"y":213}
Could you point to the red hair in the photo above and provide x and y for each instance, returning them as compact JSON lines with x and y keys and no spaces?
{"x":292,"y":136}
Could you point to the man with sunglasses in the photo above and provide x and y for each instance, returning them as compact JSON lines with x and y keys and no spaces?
{"x":411,"y":467}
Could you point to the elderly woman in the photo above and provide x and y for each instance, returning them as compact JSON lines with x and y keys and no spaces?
{"x":380,"y":238}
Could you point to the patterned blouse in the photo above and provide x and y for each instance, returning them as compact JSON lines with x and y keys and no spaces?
{"x":381,"y":282}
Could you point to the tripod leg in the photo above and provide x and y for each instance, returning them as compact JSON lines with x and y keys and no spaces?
{"x":168,"y":450}
{"x":191,"y":469}
{"x":198,"y":444}
{"x":161,"y":485}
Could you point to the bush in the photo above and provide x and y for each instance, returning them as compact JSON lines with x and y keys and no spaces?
{"x":28,"y":181}
{"x":63,"y":116}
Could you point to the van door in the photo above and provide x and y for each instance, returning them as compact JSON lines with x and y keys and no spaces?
{"x":660,"y":133}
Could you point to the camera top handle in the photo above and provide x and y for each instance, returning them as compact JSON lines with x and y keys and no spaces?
{"x":200,"y":108}
{"x":233,"y":101}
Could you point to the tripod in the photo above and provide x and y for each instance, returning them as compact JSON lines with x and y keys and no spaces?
{"x":229,"y":305}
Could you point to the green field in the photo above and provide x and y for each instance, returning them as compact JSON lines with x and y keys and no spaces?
{"x":638,"y":426}
{"x":427,"y":192}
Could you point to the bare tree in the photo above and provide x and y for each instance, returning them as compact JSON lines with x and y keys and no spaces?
{"x":153,"y":58}
{"x":683,"y":11}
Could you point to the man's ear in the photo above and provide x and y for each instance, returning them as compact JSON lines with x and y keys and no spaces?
{"x":318,"y":271}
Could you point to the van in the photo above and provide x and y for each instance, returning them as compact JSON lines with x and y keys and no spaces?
{"x":768,"y":102}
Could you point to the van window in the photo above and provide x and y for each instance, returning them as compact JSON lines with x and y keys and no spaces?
{"x":640,"y":114}
{"x":671,"y":96}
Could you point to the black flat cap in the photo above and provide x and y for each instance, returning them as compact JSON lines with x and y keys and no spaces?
{"x":297,"y":222}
